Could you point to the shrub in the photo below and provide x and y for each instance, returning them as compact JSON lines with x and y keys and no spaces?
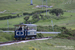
{"x":7,"y":17}
{"x":26,"y":13}
{"x":56,"y":11}
{"x":65,"y":33}
{"x":6,"y":29}
{"x":39,"y":35}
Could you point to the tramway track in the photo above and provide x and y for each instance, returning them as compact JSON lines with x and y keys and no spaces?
{"x":22,"y":41}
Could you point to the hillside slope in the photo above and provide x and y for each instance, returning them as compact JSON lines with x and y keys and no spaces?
{"x":24,"y":5}
{"x":13,"y":7}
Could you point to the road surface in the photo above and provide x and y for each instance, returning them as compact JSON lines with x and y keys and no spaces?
{"x":40,"y":32}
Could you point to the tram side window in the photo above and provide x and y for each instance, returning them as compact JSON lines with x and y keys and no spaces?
{"x":32,"y":28}
{"x":25,"y":28}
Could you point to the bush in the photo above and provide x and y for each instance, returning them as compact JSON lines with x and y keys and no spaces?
{"x":49,"y":28}
{"x":7,"y":29}
{"x":65,"y":33}
{"x":7,"y":17}
{"x":26,"y":13}
{"x":56,"y":11}
{"x":39,"y":35}
{"x":35,"y":12}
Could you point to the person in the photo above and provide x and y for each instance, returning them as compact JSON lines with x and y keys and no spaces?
{"x":32,"y":28}
{"x":27,"y":28}
{"x":20,"y":28}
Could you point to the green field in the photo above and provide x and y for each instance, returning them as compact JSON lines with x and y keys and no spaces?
{"x":68,"y":21}
{"x":14,"y":7}
{"x":50,"y":44}
{"x":20,"y":6}
{"x":11,"y":22}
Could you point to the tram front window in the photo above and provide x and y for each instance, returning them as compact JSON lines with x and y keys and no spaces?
{"x":18,"y":28}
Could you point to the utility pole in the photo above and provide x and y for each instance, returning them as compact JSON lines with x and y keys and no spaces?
{"x":31,"y":2}
{"x":8,"y":24}
{"x":46,"y":7}
{"x":42,"y":4}
{"x":52,"y":25}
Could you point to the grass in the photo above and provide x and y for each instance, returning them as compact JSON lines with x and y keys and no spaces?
{"x":50,"y":44}
{"x":11,"y":22}
{"x":49,"y":35}
{"x":4,"y":37}
{"x":20,"y":6}
{"x":68,"y":21}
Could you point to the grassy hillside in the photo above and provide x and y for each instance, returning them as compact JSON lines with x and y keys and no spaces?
{"x":68,"y":21}
{"x":4,"y":37}
{"x":50,"y":44}
{"x":11,"y":22}
{"x":20,"y":6}
{"x":14,"y":7}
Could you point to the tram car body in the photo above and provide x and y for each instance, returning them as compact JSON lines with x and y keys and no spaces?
{"x":25,"y":31}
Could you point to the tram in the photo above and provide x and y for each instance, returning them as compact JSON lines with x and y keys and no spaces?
{"x":25,"y":31}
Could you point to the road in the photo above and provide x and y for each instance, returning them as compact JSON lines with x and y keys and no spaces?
{"x":49,"y":32}
{"x":40,"y":32}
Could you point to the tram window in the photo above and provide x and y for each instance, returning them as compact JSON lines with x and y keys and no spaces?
{"x":32,"y":28}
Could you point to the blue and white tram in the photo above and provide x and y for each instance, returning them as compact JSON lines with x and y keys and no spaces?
{"x":25,"y":31}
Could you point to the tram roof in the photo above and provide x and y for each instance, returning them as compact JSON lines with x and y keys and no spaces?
{"x":25,"y":25}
